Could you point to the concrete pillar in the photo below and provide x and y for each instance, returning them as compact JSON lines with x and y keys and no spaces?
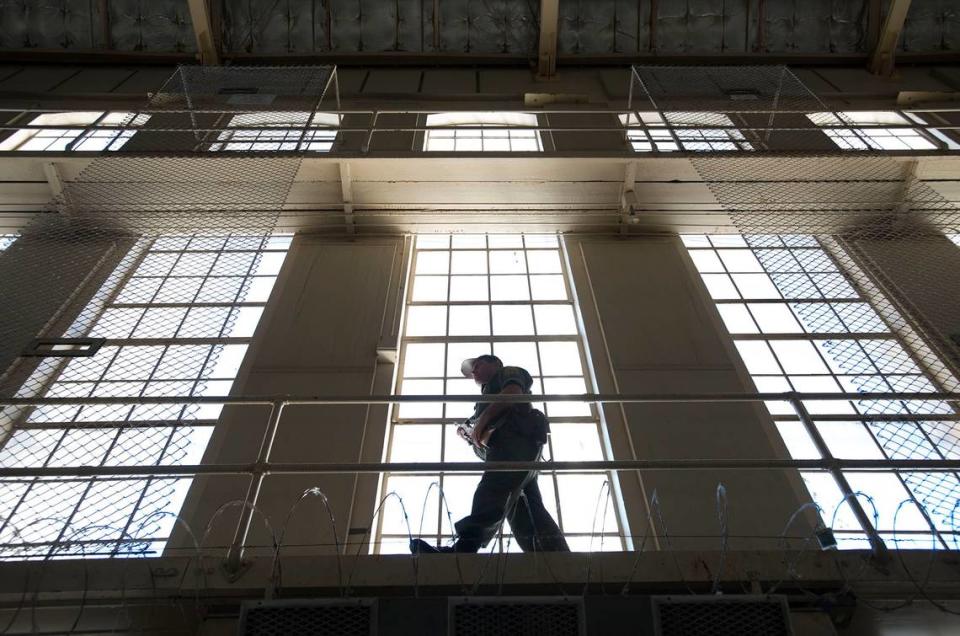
{"x":652,"y":328}
{"x":336,"y":304}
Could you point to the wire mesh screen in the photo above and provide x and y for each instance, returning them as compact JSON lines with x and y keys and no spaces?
{"x":166,"y":262}
{"x":309,"y":618}
{"x":767,"y":89}
{"x":721,"y":616}
{"x":875,"y":205}
{"x":828,"y":230}
{"x":244,"y":88}
{"x":141,"y":192}
{"x":755,"y":108}
{"x":173,"y":313}
{"x":529,"y":617}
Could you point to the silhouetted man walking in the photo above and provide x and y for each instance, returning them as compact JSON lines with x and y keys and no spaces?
{"x":501,"y":432}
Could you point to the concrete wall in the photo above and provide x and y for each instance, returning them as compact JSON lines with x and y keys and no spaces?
{"x":653,"y":329}
{"x":334,"y":307}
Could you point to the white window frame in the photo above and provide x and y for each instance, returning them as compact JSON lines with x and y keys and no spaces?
{"x":80,"y":131}
{"x":278,"y":131}
{"x":652,"y":131}
{"x":493,"y":131}
{"x":835,"y":341}
{"x":569,"y":422}
{"x":867,"y":131}
{"x":192,"y":302}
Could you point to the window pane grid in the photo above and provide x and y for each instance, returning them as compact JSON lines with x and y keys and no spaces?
{"x":99,"y":131}
{"x":861,"y":354}
{"x":481,"y":132}
{"x":147,"y":354}
{"x":520,"y":331}
{"x":293,"y":131}
{"x":672,"y":131}
{"x":875,"y":137}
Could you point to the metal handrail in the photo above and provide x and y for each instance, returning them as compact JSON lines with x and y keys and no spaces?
{"x":263,"y":466}
{"x":599,"y":398}
{"x":335,"y":468}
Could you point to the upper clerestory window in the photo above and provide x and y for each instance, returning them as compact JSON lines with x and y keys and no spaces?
{"x":85,"y":131}
{"x":278,"y":131}
{"x":692,"y":131}
{"x":875,"y":135}
{"x":482,"y":132}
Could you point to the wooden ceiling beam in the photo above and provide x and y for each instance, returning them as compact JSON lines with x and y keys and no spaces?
{"x":882,"y":59}
{"x":549,"y":25}
{"x":203,"y":29}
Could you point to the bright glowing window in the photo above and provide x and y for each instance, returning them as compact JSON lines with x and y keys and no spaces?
{"x":482,"y":132}
{"x":178,"y":314}
{"x":6,"y":240}
{"x":510,"y":295}
{"x":279,"y":131}
{"x":672,"y":131}
{"x":799,"y":325}
{"x":88,"y":131}
{"x":874,"y":137}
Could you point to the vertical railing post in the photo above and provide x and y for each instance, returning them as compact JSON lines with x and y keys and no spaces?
{"x":876,"y":543}
{"x":373,"y":126}
{"x":234,"y":562}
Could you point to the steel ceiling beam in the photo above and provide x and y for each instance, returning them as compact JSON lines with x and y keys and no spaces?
{"x":203,"y":29}
{"x":549,"y":25}
{"x":882,"y":59}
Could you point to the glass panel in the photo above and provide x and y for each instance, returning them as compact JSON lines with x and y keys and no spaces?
{"x":846,"y":360}
{"x":176,"y":270}
{"x":542,"y":338}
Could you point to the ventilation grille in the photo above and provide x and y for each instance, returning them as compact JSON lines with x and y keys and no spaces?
{"x":720,"y":616}
{"x":516,"y":616}
{"x":308,"y":618}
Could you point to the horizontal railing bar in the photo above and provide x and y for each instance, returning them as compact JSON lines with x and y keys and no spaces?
{"x":340,"y":153}
{"x":780,"y":301}
{"x":385,"y":111}
{"x":529,"y":111}
{"x":828,"y":335}
{"x":602,"y":398}
{"x":293,"y":127}
{"x":894,"y":417}
{"x":307,"y":133}
{"x":114,"y":425}
{"x":149,"y":342}
{"x":186,"y":305}
{"x":80,"y":472}
{"x":880,"y":417}
{"x":124,"y":540}
{"x":254,"y":109}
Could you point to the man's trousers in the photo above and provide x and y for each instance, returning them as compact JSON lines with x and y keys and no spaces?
{"x":513,"y":496}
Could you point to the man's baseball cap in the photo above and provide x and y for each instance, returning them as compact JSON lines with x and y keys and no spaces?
{"x":466,"y":367}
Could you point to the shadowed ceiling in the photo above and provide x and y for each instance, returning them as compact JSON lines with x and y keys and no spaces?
{"x":506,"y":28}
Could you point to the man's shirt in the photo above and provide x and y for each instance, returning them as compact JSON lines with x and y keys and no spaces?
{"x":504,"y":377}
